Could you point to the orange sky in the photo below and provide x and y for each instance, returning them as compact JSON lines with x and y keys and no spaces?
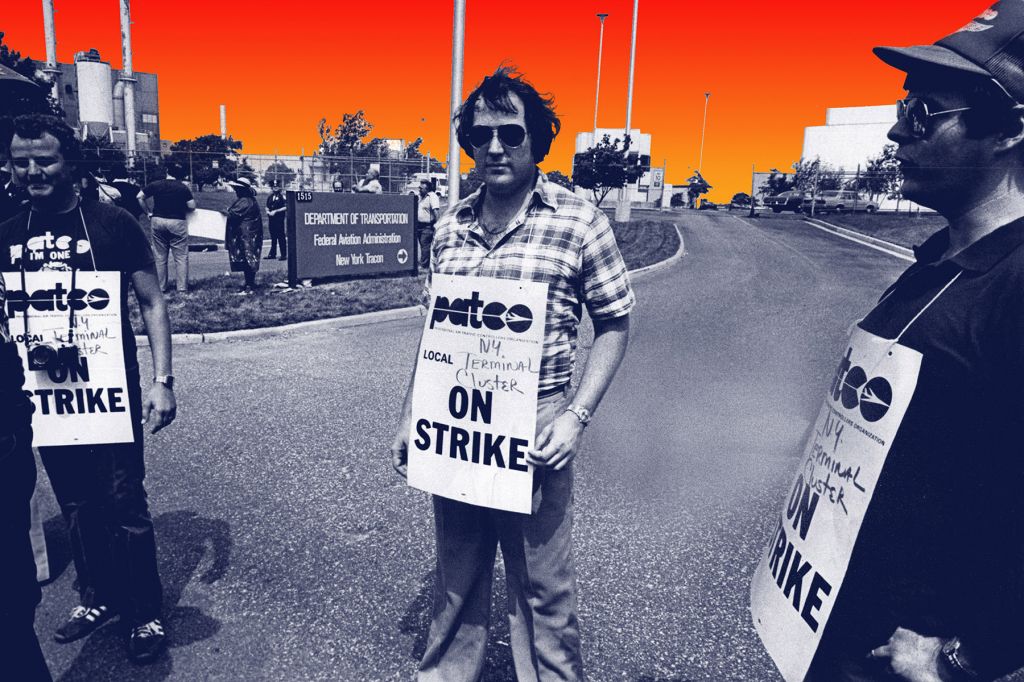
{"x":772,"y":67}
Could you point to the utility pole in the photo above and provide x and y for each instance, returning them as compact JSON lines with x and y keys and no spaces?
{"x":703,"y":128}
{"x":597,"y":92}
{"x":458,"y":46}
{"x":624,"y":205}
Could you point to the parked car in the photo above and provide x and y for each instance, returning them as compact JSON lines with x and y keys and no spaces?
{"x":839,"y":201}
{"x":706,"y":205}
{"x":785,"y":201}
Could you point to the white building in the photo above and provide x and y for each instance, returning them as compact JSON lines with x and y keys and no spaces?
{"x":849,"y":137}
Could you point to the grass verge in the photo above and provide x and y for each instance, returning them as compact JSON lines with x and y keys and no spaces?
{"x":213,"y":304}
{"x":903,"y":229}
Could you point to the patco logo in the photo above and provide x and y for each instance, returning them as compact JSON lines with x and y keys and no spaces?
{"x":854,"y":390}
{"x":58,"y":298}
{"x":47,"y":240}
{"x":975,"y":27}
{"x":475,"y":313}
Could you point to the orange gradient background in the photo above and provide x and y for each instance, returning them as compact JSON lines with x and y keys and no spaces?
{"x":772,"y":67}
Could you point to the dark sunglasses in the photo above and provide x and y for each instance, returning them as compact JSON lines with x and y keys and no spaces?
{"x":915,"y":112}
{"x":511,"y":135}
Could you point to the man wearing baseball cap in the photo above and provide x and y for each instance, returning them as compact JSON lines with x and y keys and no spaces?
{"x":935,"y":585}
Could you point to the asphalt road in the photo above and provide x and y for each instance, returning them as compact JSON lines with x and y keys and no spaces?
{"x":290,"y":551}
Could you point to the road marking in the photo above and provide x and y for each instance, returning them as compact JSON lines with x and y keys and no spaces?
{"x":834,"y":230}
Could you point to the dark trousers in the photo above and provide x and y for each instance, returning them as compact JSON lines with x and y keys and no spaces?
{"x":424,"y":238}
{"x":20,"y":654}
{"x":101,"y":495}
{"x":277,"y":237}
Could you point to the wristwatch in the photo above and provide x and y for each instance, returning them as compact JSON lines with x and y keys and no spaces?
{"x":165,"y":379}
{"x":955,"y":662}
{"x":582,"y":413}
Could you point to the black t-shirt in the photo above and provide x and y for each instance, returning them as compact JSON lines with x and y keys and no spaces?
{"x":169,"y":198}
{"x":941,"y":548}
{"x":111,"y":240}
{"x":129,"y":199}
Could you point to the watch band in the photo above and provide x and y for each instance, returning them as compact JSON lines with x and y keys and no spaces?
{"x":955,"y":661}
{"x":582,"y":413}
{"x":165,"y":379}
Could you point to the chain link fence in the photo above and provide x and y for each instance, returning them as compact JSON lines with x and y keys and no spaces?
{"x":211,"y":170}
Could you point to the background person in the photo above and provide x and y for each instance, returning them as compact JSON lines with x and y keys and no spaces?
{"x":99,"y":487}
{"x":172,"y":202}
{"x":427,"y":211}
{"x":244,"y":233}
{"x":277,"y":212}
{"x":369,"y":184}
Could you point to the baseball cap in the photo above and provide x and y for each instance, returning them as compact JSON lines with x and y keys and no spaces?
{"x":991,"y":45}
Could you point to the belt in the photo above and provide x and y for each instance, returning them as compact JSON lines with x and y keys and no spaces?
{"x":548,"y":392}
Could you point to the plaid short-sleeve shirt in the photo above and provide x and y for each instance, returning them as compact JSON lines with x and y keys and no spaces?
{"x":558,"y":239}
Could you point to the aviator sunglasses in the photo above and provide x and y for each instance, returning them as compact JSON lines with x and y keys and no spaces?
{"x":511,"y":135}
{"x":915,"y":112}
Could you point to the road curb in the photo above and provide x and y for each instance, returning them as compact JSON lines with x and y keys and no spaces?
{"x":639,"y":273}
{"x":896,"y":250}
{"x":363,"y":318}
{"x":263,"y":332}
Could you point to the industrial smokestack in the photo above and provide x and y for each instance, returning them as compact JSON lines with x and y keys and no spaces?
{"x":223,"y":122}
{"x":51,"y":69}
{"x":128,"y":78}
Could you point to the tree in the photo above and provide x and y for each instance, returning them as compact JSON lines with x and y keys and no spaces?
{"x":604,"y":167}
{"x":560,"y":178}
{"x":280,"y":172}
{"x":882,"y":176}
{"x":816,"y":176}
{"x":16,"y":100}
{"x":413,"y":153}
{"x":696,"y":186}
{"x":345,"y":137}
{"x":207,"y":157}
{"x":740,"y":199}
{"x":776,"y":183}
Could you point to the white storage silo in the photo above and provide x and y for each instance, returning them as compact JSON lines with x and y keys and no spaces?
{"x":95,"y":89}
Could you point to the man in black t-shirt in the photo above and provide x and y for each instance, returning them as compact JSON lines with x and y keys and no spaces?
{"x":172,"y":202}
{"x":99,"y":487}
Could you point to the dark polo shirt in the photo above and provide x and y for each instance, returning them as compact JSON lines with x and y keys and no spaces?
{"x":941,"y":550}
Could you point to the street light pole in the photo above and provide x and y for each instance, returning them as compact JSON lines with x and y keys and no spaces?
{"x":624,"y":205}
{"x":700,"y":161}
{"x":458,"y":45}
{"x":597,"y":92}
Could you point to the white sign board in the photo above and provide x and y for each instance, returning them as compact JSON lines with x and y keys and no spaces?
{"x":203,"y":222}
{"x":474,"y":401}
{"x":798,"y":578}
{"x":84,"y":400}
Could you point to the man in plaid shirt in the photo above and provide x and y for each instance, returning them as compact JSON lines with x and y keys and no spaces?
{"x":520,"y":226}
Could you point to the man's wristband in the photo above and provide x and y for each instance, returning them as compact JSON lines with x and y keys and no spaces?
{"x":165,"y":379}
{"x":954,"y":661}
{"x":582,"y":413}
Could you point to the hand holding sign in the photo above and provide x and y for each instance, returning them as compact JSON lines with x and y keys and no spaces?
{"x":912,"y":657}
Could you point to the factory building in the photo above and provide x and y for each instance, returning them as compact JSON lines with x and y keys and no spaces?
{"x":92,"y":95}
